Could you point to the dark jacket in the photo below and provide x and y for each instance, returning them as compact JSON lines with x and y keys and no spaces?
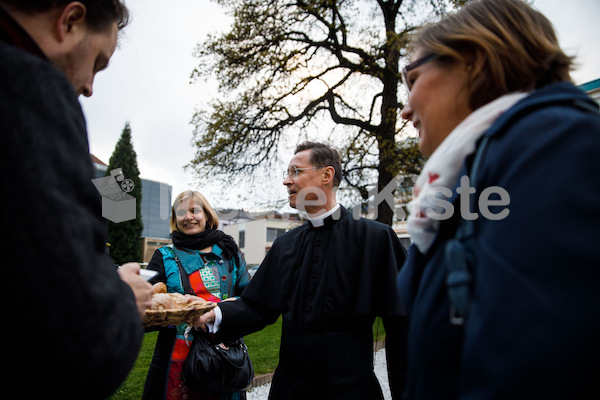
{"x":76,"y":325}
{"x":328,"y":283}
{"x":533,"y":326}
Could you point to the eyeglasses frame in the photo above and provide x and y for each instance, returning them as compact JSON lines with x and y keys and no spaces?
{"x":287,"y":174}
{"x":415,"y":64}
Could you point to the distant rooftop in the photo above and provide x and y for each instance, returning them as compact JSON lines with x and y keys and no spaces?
{"x":591,"y":85}
{"x":593,"y":89}
{"x":96,"y":160}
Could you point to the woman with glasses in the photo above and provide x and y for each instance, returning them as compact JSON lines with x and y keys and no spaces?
{"x":216,"y":271}
{"x":503,"y":293}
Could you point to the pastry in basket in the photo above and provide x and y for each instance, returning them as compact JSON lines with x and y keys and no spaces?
{"x":161,"y":300}
{"x":175,"y":308}
{"x":159,"y":287}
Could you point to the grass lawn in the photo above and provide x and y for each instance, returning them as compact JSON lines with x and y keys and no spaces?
{"x":263,"y":347}
{"x":133,"y":387}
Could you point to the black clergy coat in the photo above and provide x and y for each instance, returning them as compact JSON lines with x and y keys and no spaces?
{"x":329,"y":283}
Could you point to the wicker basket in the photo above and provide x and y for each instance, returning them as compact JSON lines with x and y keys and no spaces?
{"x":176,"y":316}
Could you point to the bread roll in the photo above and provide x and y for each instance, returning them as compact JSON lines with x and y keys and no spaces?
{"x":173,"y":301}
{"x":163,"y":301}
{"x":159,"y":287}
{"x":180,"y":300}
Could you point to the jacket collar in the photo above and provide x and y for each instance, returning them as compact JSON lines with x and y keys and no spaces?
{"x":13,"y":34}
{"x":558,"y":93}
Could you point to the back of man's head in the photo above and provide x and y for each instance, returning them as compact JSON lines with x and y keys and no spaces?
{"x":100,"y":14}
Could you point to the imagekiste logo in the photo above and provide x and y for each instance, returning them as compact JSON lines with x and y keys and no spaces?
{"x":117,"y":204}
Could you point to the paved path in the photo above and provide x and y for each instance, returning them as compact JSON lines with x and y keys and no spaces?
{"x":262,"y":392}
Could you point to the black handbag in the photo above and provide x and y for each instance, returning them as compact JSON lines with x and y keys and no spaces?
{"x":215,"y":367}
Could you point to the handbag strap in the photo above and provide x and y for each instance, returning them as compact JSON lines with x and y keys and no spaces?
{"x":185,"y":280}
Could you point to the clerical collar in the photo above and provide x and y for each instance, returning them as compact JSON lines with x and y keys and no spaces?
{"x":319,"y":220}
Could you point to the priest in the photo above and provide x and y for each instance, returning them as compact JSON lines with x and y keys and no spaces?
{"x":329,"y":279}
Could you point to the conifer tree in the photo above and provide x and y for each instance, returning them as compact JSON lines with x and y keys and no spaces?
{"x":125,"y":237}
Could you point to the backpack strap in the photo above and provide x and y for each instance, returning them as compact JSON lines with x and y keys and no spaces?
{"x":458,"y":254}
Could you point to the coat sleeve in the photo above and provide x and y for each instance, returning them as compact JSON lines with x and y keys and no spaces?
{"x":60,"y":277}
{"x":243,"y":317}
{"x":157,"y":264}
{"x":394,"y":319}
{"x":263,"y":298}
{"x":396,"y":335}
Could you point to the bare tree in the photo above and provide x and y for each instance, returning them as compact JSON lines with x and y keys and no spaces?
{"x":290,"y":67}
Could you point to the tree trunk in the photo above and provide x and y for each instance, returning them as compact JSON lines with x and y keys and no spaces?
{"x":386,"y":137}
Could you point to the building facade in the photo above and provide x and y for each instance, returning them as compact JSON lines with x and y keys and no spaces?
{"x":155,"y":209}
{"x":593,"y":89}
{"x":255,"y":237}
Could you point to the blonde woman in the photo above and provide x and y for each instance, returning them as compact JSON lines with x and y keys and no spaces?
{"x":216,"y":271}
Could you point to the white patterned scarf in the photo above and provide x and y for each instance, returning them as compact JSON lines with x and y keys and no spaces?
{"x":441,"y":170}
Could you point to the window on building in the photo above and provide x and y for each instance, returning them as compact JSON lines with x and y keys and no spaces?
{"x":272,"y":233}
{"x":242,"y":240}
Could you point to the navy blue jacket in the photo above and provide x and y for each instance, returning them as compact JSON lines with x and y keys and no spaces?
{"x":533,"y":325}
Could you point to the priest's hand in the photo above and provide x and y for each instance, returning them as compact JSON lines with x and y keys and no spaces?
{"x":206,"y":318}
{"x":211,"y":319}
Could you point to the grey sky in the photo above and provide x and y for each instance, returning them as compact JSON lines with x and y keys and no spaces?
{"x":148,"y":81}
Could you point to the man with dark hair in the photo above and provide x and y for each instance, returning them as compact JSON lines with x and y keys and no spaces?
{"x":329,"y":279}
{"x":321,"y":154}
{"x":79,"y":39}
{"x":76,"y":320}
{"x":99,"y":14}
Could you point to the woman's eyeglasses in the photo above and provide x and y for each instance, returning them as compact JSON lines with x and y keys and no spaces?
{"x":413,"y":65}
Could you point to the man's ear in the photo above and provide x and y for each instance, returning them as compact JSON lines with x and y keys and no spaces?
{"x":328,"y":175}
{"x":71,"y":22}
